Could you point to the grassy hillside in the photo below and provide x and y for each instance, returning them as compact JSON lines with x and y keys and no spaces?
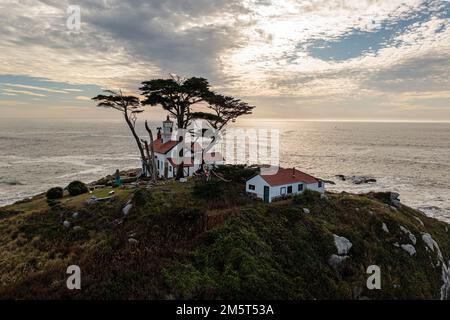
{"x":210,"y":241}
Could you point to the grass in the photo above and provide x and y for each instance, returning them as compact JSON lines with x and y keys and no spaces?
{"x":194,"y":244}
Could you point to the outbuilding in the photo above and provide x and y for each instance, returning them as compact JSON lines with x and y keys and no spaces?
{"x":283,"y":182}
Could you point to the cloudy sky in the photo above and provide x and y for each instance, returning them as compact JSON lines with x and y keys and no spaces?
{"x":315,"y":59}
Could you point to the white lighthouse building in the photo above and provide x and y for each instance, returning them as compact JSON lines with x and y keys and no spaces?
{"x":168,"y":156}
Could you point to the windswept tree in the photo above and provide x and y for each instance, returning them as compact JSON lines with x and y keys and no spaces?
{"x":190,"y":99}
{"x":130,"y":107}
{"x":221,"y":110}
{"x":177,"y":96}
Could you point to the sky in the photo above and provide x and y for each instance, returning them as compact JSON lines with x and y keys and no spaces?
{"x":292,"y":59}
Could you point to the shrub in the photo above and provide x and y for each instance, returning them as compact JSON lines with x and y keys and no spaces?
{"x":207,"y":190}
{"x":77,"y":187}
{"x":53,"y":202}
{"x":236,"y":173}
{"x":307,"y":197}
{"x":55,"y":193}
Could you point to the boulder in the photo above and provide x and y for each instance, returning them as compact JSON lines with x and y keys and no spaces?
{"x":409,"y":248}
{"x":75,"y":215}
{"x":66,"y":224}
{"x":410,"y":235}
{"x":126,"y":210}
{"x":306,"y":211}
{"x":77,"y":228}
{"x":362,"y":180}
{"x":335,"y":260}
{"x":394,"y":199}
{"x":343,"y":245}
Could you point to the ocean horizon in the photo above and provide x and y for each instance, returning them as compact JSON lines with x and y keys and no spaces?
{"x":410,"y":158}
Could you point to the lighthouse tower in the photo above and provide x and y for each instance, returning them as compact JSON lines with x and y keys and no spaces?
{"x":167,"y":130}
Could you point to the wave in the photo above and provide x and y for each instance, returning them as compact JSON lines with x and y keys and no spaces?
{"x":11,"y":182}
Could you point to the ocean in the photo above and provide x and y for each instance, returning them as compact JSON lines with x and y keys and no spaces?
{"x":412,"y":159}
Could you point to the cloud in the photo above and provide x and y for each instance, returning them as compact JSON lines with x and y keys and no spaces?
{"x":83,"y":98}
{"x":29,"y":93}
{"x":34,"y":88}
{"x":318,"y":52}
{"x":73,"y":90}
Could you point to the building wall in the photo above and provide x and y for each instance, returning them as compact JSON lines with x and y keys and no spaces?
{"x":275,"y":191}
{"x":259,"y":184}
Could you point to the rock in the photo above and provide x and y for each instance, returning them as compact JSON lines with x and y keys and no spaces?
{"x":133,"y":241}
{"x":126,"y":209}
{"x":183,"y":180}
{"x":343,"y":245}
{"x":394,"y":199}
{"x":335,"y":260}
{"x":432,"y":244}
{"x":410,"y":235}
{"x":306,"y":211}
{"x":111,"y":192}
{"x":75,"y":215}
{"x":385,"y":228}
{"x":66,"y":224}
{"x":362,"y":179}
{"x":94,"y":199}
{"x":409,"y":248}
{"x":77,"y":228}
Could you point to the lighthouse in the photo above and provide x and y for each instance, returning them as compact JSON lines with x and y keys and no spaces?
{"x":167,"y":130}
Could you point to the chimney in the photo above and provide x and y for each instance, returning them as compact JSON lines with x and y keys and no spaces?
{"x":158,"y":135}
{"x":293,"y":172}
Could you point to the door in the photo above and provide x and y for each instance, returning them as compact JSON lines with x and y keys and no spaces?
{"x":266,"y":194}
{"x":166,"y":170}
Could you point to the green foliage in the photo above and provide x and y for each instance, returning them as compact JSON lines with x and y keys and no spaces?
{"x":76,"y":188}
{"x":236,"y":173}
{"x":53,"y":203}
{"x":207,"y":190}
{"x":306,"y":197}
{"x":215,"y":248}
{"x":55,"y":193}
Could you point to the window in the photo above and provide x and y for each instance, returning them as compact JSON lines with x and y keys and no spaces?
{"x":289,"y":190}
{"x":251,"y":187}
{"x":300,"y":187}
{"x":283,"y":191}
{"x":158,"y":164}
{"x":170,"y":168}
{"x":320,"y":184}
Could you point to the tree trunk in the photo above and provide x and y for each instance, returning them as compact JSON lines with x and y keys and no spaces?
{"x":136,"y":137}
{"x":152,"y":152}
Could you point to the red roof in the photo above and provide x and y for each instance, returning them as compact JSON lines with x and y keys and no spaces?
{"x":163,"y":148}
{"x":288,"y":176}
{"x":188,"y":162}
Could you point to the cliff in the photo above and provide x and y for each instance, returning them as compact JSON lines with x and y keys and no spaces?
{"x":209,"y":240}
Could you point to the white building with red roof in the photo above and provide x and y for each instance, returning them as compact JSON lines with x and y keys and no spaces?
{"x":167,"y":154}
{"x":272,"y":185}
